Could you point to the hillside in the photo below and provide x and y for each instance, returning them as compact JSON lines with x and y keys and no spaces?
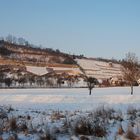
{"x":100,"y":69}
{"x":27,"y":56}
{"x":31,"y":54}
{"x":26,"y":64}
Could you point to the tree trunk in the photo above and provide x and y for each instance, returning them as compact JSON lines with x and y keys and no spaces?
{"x":131,"y":89}
{"x":89,"y":91}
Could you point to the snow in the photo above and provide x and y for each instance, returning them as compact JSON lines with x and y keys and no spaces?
{"x":99,"y":69}
{"x":69,"y":98}
{"x":72,"y":103}
{"x":37,"y":70}
{"x":44,"y":70}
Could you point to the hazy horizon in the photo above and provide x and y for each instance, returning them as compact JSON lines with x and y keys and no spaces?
{"x":95,"y":28}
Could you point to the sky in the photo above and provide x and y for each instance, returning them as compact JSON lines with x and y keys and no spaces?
{"x":95,"y":28}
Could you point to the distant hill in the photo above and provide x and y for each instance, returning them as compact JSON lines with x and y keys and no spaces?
{"x":28,"y":53}
{"x":41,"y":61}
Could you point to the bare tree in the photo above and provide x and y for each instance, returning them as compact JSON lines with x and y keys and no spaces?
{"x":21,"y":41}
{"x":1,"y":78}
{"x":8,"y":82}
{"x":31,"y":79}
{"x":59,"y":81}
{"x":91,"y":82}
{"x":131,"y":69}
{"x":1,"y":38}
{"x":14,"y":39}
{"x":9,"y":38}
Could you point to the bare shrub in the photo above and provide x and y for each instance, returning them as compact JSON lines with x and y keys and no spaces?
{"x":138,"y":138}
{"x":13,"y":124}
{"x":47,"y":137}
{"x":28,"y":117}
{"x":84,"y":138}
{"x":120,"y":130}
{"x":22,"y":127}
{"x":118,"y":116}
{"x":132,"y":113}
{"x":3,"y":114}
{"x":99,"y":131}
{"x":95,"y":123}
{"x":9,"y":109}
{"x":90,"y":126}
{"x":104,"y":114}
{"x":56,"y":115}
{"x":130,"y":134}
{"x":13,"y":137}
{"x":83,"y":127}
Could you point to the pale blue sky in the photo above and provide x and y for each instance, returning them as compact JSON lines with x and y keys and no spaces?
{"x":96,"y":28}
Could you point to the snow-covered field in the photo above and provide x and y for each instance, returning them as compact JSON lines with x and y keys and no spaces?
{"x":70,"y":114}
{"x":69,"y":98}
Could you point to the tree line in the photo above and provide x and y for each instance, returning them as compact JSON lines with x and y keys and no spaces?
{"x":22,"y":42}
{"x":26,"y":80}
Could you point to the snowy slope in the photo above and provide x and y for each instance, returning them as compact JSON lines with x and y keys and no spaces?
{"x":37,"y":70}
{"x":44,"y":70}
{"x":99,"y":69}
